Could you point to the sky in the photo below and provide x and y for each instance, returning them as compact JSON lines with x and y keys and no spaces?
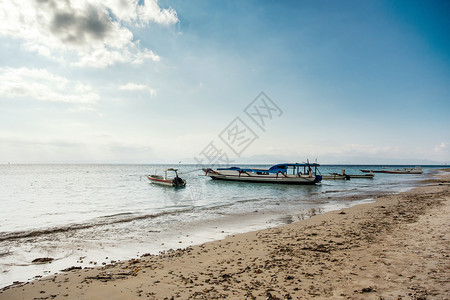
{"x":134,"y":81}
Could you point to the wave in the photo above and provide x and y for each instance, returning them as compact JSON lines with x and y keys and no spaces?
{"x":118,"y":215}
{"x":124,"y":217}
{"x":112,"y":219}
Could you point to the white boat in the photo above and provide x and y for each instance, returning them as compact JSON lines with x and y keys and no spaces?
{"x":289,"y":173}
{"x":167,"y":181}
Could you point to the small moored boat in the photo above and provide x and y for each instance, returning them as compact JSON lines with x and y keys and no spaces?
{"x":345,"y":176}
{"x":289,"y":173}
{"x":336,"y":176}
{"x":167,"y":181}
{"x":367,"y":176}
{"x":416,"y":170}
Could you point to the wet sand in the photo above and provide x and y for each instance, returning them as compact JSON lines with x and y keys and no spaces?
{"x":395,"y":248}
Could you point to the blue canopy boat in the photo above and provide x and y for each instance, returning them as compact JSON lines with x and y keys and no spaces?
{"x":288,"y":173}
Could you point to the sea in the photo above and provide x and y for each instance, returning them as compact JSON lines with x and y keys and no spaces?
{"x":92,"y":215}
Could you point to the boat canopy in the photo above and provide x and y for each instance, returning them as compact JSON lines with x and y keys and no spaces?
{"x":283,"y":168}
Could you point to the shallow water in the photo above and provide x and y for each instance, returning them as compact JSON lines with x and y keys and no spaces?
{"x":85,"y":214}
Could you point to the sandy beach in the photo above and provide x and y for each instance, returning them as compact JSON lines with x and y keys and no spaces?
{"x":395,"y":248}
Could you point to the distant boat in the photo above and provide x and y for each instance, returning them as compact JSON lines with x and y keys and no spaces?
{"x":367,"y":176}
{"x":345,"y":176}
{"x":336,"y":176}
{"x":373,"y":171}
{"x":288,"y":173}
{"x":416,"y":170}
{"x":167,"y":181}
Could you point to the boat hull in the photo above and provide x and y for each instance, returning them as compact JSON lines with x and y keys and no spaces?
{"x":403,"y":172}
{"x":165,"y":182}
{"x":266,"y":180}
{"x":368,"y":176}
{"x":373,"y":171}
{"x":335,"y":177}
{"x":393,"y":171}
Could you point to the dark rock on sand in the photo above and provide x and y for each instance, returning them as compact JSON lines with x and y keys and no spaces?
{"x":42,"y":260}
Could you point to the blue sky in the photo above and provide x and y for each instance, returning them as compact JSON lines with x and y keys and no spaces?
{"x":156,"y":82}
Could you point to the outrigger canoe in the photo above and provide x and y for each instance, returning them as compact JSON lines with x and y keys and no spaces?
{"x":416,"y":170}
{"x":336,"y":176}
{"x":289,"y":173}
{"x":345,"y":176}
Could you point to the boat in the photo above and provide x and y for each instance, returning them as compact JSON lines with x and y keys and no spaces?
{"x":416,"y":170}
{"x":345,"y":176}
{"x":373,"y":171}
{"x":336,"y":176}
{"x":367,"y":176}
{"x":168,"y":181}
{"x":288,"y":173}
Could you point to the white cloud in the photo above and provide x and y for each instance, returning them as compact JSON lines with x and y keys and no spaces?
{"x":442,"y":147}
{"x":83,"y":32}
{"x":39,"y":84}
{"x":137,"y":87}
{"x":151,"y":12}
{"x":131,"y":11}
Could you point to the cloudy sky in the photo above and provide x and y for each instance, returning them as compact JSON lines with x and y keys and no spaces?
{"x":134,"y":81}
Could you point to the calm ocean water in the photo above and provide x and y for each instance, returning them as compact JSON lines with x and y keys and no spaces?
{"x":82,"y":215}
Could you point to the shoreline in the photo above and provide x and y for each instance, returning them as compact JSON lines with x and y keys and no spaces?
{"x":197,"y":233}
{"x":67,"y":249}
{"x":329,"y":256}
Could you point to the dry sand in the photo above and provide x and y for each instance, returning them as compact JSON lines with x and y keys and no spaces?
{"x":396,"y":248}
